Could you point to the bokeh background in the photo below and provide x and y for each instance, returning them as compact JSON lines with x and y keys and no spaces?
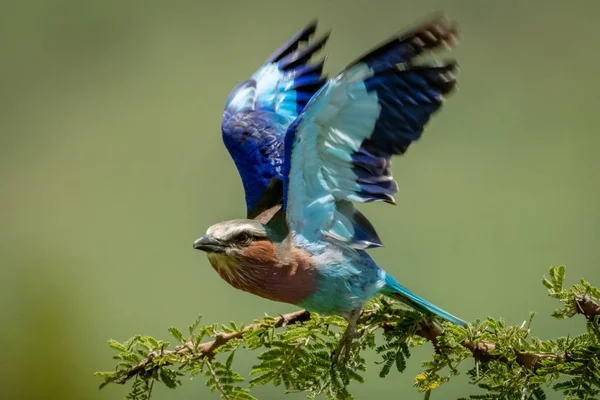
{"x":111,"y":164}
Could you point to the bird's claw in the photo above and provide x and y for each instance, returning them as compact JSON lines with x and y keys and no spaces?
{"x":341,"y":354}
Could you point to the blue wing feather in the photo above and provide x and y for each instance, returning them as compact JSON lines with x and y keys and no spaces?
{"x":338,"y":150}
{"x":302,"y":56}
{"x":293,"y":42}
{"x":259,"y":111}
{"x":429,"y":35}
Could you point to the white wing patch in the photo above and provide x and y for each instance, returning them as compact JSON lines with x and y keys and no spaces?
{"x":243,"y":99}
{"x":267,"y":80}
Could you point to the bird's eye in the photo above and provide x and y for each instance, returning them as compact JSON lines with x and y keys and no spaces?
{"x":243,"y":238}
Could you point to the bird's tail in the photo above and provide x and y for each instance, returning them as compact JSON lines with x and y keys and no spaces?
{"x":396,"y":291}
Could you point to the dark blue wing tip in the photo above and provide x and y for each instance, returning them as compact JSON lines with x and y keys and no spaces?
{"x":409,"y":97}
{"x":293,"y":42}
{"x":435,"y":32}
{"x":303,"y":55}
{"x":295,"y":63}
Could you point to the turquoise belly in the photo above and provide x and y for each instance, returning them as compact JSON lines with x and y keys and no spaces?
{"x":343,"y":288}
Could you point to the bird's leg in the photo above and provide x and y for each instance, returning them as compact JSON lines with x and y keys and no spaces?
{"x":341,"y":354}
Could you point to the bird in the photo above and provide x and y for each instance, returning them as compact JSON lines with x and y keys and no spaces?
{"x":307,"y":149}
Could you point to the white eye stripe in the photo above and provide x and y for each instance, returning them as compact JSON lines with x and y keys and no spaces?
{"x":231,"y":230}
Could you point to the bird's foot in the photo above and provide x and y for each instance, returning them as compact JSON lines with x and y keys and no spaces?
{"x":341,"y":354}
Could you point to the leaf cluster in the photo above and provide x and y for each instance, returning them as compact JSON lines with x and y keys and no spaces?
{"x":502,"y":361}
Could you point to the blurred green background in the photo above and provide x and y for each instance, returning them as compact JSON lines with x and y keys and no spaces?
{"x":111,"y":164}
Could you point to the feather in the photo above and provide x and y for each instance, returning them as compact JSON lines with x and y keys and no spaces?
{"x":338,"y":150}
{"x":259,"y":110}
{"x":400,"y":293}
{"x":432,"y":34}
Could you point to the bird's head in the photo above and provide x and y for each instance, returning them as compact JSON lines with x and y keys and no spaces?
{"x":252,"y":257}
{"x":236,"y":243}
{"x":231,"y":237}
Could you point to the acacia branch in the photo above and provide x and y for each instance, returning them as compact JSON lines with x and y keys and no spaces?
{"x":431,"y":331}
{"x":588,"y":307}
{"x":207,"y":349}
{"x":482,"y":350}
{"x":507,"y":353}
{"x":529,"y":359}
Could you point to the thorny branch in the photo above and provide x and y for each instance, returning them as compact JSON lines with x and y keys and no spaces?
{"x":430,"y":331}
{"x":529,"y":359}
{"x":207,"y":349}
{"x":588,"y":307}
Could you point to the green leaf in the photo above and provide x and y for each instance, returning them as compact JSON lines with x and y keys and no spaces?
{"x":176,"y":333}
{"x":116,"y":345}
{"x":298,"y":356}
{"x":192,"y":327}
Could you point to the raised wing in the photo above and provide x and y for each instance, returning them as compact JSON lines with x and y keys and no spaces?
{"x":259,"y":111}
{"x":338,"y":150}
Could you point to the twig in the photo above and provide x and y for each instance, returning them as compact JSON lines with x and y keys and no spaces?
{"x":524,"y":391}
{"x":431,"y":331}
{"x":207,"y":349}
{"x":151,"y":386}
{"x":216,"y":379}
{"x":588,"y":307}
{"x":481,"y":350}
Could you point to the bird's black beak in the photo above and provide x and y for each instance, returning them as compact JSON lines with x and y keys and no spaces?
{"x":210,"y":245}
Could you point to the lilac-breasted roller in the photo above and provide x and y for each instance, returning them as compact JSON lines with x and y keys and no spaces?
{"x":307,"y":149}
